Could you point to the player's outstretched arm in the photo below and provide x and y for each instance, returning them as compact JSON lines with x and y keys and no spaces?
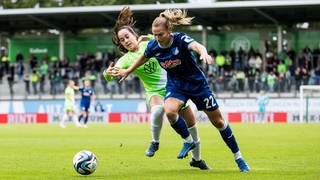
{"x":202,"y":51}
{"x":76,"y":87}
{"x":124,"y":73}
{"x":143,"y":38}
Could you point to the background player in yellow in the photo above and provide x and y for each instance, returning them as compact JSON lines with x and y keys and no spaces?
{"x":69,"y":105}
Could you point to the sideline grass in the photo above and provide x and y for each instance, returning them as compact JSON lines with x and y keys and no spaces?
{"x":273,"y":151}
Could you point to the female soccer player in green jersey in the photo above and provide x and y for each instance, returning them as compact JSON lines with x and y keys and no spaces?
{"x":69,"y":105}
{"x":153,"y":78}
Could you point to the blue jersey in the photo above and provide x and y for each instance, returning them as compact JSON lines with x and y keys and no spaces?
{"x":179,"y":62}
{"x":86,"y":94}
{"x":185,"y":80}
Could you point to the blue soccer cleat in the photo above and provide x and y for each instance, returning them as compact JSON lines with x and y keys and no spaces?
{"x":185,"y":149}
{"x":243,"y":166}
{"x":154,"y":146}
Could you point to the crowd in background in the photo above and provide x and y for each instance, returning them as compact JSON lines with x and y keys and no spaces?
{"x":283,"y":72}
{"x":236,"y":71}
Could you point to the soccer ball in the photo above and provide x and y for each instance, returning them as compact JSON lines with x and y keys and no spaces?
{"x":85,"y":162}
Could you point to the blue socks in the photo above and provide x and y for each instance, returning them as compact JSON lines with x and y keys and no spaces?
{"x":80,"y":117}
{"x":229,"y":139}
{"x":86,"y":120}
{"x":181,"y":128}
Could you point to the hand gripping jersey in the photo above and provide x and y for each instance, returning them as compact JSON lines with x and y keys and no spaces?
{"x":179,"y":62}
{"x":151,"y":74}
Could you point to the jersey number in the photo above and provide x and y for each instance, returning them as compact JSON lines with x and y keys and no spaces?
{"x":209,"y":102}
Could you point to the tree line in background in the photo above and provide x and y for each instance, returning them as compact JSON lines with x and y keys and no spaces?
{"x":12,"y":4}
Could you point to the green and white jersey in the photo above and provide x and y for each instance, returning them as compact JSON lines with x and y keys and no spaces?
{"x":151,"y":74}
{"x":69,"y":100}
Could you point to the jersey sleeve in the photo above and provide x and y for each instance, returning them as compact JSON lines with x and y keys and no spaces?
{"x":148,"y":53}
{"x":186,"y":40}
{"x":81,"y":89}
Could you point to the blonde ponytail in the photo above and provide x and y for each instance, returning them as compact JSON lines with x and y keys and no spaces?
{"x":171,"y":17}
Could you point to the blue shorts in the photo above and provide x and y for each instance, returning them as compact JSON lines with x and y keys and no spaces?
{"x":84,"y":106}
{"x":204,"y":99}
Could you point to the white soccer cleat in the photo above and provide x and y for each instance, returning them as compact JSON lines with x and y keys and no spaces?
{"x":62,"y":125}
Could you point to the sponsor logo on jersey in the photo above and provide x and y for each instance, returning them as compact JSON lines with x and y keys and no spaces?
{"x":86,"y":93}
{"x":170,"y":63}
{"x":175,"y":51}
{"x":150,"y":67}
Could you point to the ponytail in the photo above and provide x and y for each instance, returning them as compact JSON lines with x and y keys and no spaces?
{"x":171,"y":17}
{"x":124,"y":21}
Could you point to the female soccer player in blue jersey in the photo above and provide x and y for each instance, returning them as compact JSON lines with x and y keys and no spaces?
{"x":153,"y":78}
{"x":87,"y":97}
{"x":185,"y":80}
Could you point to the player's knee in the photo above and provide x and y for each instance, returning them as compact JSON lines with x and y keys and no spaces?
{"x":157,"y":111}
{"x":171,"y":115}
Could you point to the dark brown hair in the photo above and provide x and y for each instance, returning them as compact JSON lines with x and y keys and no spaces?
{"x":124,"y":21}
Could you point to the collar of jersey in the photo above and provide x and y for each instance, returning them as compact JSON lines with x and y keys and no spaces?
{"x":170,"y":43}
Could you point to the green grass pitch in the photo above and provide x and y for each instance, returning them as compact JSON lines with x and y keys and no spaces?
{"x":273,"y":151}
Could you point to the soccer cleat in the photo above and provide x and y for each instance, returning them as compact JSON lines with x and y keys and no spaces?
{"x":185,"y":149}
{"x":154,"y":146}
{"x":243,"y":166}
{"x":85,"y":126}
{"x":62,"y":125}
{"x":201,"y":164}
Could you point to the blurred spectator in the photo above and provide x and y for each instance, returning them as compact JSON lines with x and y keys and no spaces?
{"x":20,"y":69}
{"x":10,"y":83}
{"x":33,"y":61}
{"x":5,"y":63}
{"x":298,"y":78}
{"x":271,"y":81}
{"x":43,"y":74}
{"x":288,"y":80}
{"x":313,"y":78}
{"x":52,"y":77}
{"x":305,"y":76}
{"x":34,"y":78}
{"x":251,"y":75}
{"x":241,"y":78}
{"x":19,"y":57}
{"x":26,"y":79}
{"x":220,"y":60}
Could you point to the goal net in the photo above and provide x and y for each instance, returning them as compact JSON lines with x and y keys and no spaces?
{"x":308,"y":109}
